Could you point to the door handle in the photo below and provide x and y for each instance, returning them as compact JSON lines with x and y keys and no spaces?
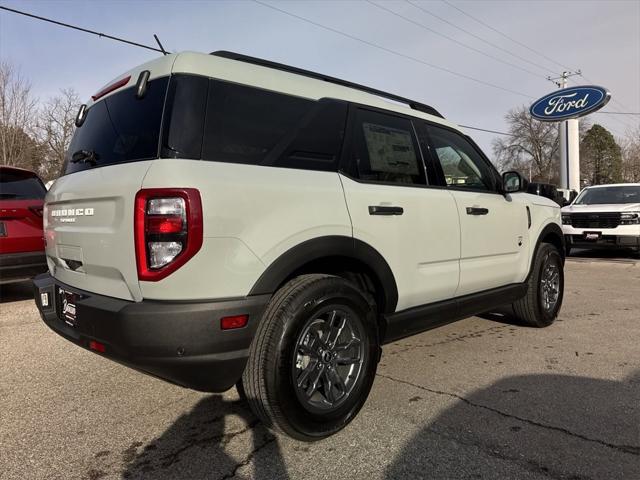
{"x":477,"y":211}
{"x":384,"y":210}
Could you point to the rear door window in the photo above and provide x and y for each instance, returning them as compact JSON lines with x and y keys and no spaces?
{"x":120,"y":128}
{"x":18,"y":186}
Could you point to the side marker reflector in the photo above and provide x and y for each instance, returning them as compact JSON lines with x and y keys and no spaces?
{"x":97,"y":346}
{"x":237,"y":321}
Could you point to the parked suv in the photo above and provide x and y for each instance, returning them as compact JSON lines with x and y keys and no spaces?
{"x":21,"y":237}
{"x":547,"y":190}
{"x":227,"y":220}
{"x":604,"y":216}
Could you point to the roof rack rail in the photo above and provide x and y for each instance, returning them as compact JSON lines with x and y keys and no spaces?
{"x":421,"y":107}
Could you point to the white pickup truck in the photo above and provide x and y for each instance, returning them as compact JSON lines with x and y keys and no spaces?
{"x":604,"y":216}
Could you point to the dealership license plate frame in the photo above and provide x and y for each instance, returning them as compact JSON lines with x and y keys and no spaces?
{"x":592,"y":236}
{"x":68,"y":307}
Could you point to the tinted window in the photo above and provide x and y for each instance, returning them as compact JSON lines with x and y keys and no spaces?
{"x":186,"y":107}
{"x":226,"y":122}
{"x":385,"y":150}
{"x":245,"y":124}
{"x":317,"y":141}
{"x":20,"y":187}
{"x":462,"y":165}
{"x":121,"y":128}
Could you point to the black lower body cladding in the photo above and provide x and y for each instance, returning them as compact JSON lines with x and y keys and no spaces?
{"x":180,"y":342}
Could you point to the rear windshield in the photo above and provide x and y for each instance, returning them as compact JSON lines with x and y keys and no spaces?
{"x":17,"y":186}
{"x":603,"y":195}
{"x":120,"y":128}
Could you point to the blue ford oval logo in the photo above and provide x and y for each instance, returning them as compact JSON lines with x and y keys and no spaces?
{"x":569,"y":103}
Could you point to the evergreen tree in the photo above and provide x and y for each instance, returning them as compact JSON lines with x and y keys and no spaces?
{"x":600,"y":157}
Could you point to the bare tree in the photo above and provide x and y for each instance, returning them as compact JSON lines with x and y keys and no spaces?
{"x":56,"y":125}
{"x":17,"y":119}
{"x":631,"y":156}
{"x":532,"y":147}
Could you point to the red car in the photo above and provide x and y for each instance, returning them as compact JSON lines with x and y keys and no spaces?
{"x":21,"y":236}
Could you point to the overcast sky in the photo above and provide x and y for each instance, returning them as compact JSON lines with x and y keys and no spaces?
{"x":602,"y":38}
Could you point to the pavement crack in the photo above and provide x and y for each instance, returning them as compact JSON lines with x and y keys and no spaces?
{"x":269,"y":440}
{"x":629,"y":449}
{"x":529,"y":465}
{"x":224,"y":439}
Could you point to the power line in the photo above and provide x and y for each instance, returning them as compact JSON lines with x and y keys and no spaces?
{"x":505,"y":35}
{"x":617,"y":119}
{"x":74,"y":27}
{"x":486,"y":130}
{"x":451,"y":39}
{"x":619,"y":113}
{"x":612,"y":106}
{"x":498,"y":47}
{"x":391,"y":51}
{"x":617,"y":109}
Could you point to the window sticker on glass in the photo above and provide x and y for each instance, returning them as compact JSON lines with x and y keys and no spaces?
{"x":390,"y":149}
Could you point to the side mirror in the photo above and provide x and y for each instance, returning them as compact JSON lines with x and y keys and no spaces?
{"x":513,"y":182}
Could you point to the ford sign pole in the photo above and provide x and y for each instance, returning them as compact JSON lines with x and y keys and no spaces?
{"x":569,"y":150}
{"x":565,"y":106}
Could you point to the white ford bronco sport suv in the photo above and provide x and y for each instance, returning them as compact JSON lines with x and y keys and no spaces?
{"x":224,"y":220}
{"x":604,"y":216}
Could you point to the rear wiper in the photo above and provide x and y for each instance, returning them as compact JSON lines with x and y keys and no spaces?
{"x":85,"y":156}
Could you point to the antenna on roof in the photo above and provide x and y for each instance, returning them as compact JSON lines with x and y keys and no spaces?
{"x":164,"y":52}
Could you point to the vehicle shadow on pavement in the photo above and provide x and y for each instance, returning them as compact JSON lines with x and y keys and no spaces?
{"x":16,"y":292}
{"x":531,"y":426}
{"x":198,"y":446}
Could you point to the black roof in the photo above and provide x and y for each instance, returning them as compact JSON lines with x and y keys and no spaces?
{"x":421,"y":107}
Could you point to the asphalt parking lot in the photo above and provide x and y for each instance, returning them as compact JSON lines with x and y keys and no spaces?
{"x":481,"y":398}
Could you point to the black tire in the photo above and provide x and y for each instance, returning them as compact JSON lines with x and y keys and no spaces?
{"x":270,"y":378}
{"x":531,"y":309}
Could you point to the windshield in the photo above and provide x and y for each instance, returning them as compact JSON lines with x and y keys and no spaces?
{"x":18,"y":186}
{"x":602,"y":195}
{"x":120,"y":128}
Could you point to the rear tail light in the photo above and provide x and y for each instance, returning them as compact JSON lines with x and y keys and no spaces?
{"x":168,"y":230}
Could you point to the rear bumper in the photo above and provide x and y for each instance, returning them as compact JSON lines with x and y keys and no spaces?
{"x":21,"y":266}
{"x":605,"y":241}
{"x":180,"y":342}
